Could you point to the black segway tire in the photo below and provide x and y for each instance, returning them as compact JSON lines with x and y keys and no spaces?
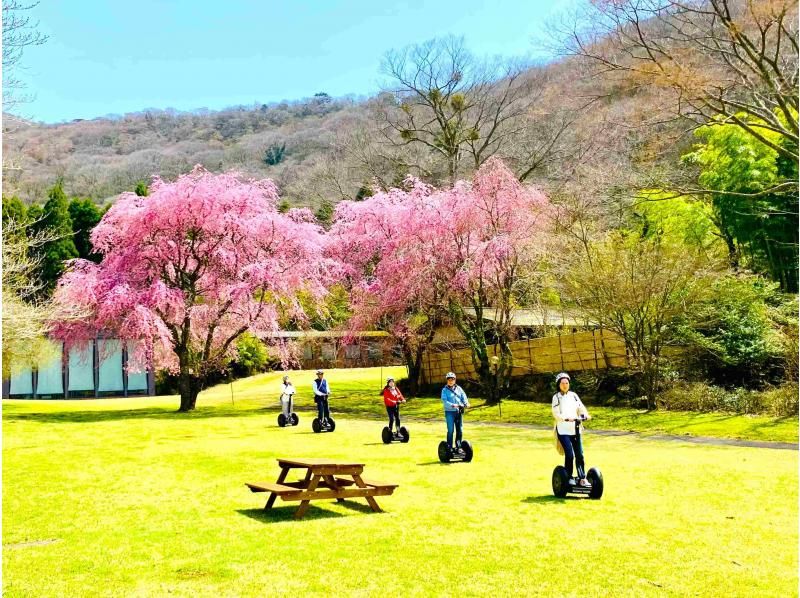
{"x":467,"y":448}
{"x":560,"y":481}
{"x":331,"y":425}
{"x":294,"y":418}
{"x":595,"y":478}
{"x":386,"y":435}
{"x":316,"y":425}
{"x":281,"y":420}
{"x":404,"y":434}
{"x":444,"y":452}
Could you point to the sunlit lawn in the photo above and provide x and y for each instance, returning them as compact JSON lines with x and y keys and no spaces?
{"x":127,"y":497}
{"x":357,"y":391}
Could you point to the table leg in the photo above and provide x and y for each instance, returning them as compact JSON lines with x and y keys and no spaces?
{"x":372,"y":502}
{"x":272,"y":495}
{"x":334,"y":486}
{"x":304,"y":504}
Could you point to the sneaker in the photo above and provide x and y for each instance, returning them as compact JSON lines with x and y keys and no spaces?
{"x":584,"y":482}
{"x":572,"y":481}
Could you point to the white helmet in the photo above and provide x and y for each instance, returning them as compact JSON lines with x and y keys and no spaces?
{"x":320,"y":372}
{"x":449,"y":375}
{"x":561,"y":376}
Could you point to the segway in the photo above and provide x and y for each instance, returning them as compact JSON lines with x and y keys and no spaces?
{"x":464,"y":453}
{"x":324,"y":425}
{"x":292,"y":420}
{"x":563,"y":484}
{"x":389,"y":436}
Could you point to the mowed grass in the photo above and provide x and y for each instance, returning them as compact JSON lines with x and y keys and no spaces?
{"x":127,"y":497}
{"x":357,"y":392}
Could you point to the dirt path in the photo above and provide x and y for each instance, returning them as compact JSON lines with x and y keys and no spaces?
{"x":706,"y":440}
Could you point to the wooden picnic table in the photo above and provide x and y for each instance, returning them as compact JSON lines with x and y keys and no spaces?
{"x":324,"y":479}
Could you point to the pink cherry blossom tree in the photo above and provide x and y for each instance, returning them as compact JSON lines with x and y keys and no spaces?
{"x":390,"y":267}
{"x":470,"y":253}
{"x":497,"y":239}
{"x":192,"y":266}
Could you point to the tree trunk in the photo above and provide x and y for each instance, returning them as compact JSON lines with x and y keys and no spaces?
{"x":414,"y":364}
{"x":189,"y":386}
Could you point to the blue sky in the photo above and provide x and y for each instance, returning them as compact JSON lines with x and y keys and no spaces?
{"x":106,"y":57}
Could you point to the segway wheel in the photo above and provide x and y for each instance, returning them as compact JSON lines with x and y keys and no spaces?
{"x":316,"y":426}
{"x":295,"y":419}
{"x":560,"y":481}
{"x":444,"y":452}
{"x":595,"y":478}
{"x":386,"y":435}
{"x":467,"y":448}
{"x":331,"y":425}
{"x":404,"y":435}
{"x":281,"y":420}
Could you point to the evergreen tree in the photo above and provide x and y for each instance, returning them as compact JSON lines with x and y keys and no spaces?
{"x":55,"y":218}
{"x":14,"y":209}
{"x":85,"y":215}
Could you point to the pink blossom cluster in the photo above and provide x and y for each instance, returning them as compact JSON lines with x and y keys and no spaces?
{"x":409,"y":252}
{"x":193,"y":263}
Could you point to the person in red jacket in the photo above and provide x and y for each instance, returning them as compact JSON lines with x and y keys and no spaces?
{"x":392,"y":397}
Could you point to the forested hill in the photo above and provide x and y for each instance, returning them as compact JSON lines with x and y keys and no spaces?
{"x":328,"y":149}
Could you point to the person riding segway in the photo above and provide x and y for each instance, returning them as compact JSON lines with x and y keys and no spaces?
{"x":287,"y":416}
{"x":569,"y":412}
{"x":392,"y":397}
{"x":455,"y":403}
{"x":323,"y":422}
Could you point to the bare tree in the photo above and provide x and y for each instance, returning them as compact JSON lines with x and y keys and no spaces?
{"x":635,"y":287}
{"x":735,"y":61}
{"x":25,"y":321}
{"x":457,"y":106}
{"x":19,"y":32}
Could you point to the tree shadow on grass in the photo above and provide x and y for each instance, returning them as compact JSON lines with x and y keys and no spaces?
{"x":103,"y":415}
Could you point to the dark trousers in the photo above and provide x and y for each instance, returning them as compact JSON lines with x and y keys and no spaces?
{"x":394,"y":415}
{"x":322,"y":408}
{"x":573,"y":451}
{"x":454,"y":422}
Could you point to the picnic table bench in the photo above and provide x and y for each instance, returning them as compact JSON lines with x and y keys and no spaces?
{"x":324,"y":479}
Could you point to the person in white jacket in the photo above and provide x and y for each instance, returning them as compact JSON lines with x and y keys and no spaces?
{"x":569,"y":412}
{"x":287,"y":396}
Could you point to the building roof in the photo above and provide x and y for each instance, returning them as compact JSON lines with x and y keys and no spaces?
{"x":325,"y":334}
{"x":534,"y":317}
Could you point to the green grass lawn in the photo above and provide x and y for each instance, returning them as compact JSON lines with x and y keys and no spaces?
{"x":356,"y":392}
{"x":127,"y":497}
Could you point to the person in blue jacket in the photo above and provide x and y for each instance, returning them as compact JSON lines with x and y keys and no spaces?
{"x":455,"y":402}
{"x":321,"y":394}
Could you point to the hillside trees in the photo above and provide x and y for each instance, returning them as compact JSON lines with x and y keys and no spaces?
{"x":189,"y":269}
{"x":756,"y":214}
{"x":728,"y":61}
{"x":457,"y":106}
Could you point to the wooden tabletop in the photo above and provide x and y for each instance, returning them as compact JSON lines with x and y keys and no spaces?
{"x":311,"y":463}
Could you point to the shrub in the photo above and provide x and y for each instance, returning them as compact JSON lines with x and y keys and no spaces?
{"x":731,"y":338}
